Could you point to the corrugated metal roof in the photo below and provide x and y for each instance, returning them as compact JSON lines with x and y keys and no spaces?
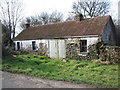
{"x":92,"y":26}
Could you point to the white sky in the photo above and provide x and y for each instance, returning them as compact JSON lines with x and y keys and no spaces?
{"x":33,"y":7}
{"x":38,"y":6}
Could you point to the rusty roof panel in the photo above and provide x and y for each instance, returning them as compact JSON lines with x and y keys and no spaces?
{"x":92,"y":26}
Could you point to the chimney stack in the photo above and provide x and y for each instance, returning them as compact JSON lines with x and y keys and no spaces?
{"x":79,"y":17}
{"x":27,"y":25}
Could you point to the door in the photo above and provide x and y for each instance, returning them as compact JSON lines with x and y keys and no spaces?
{"x":53,"y":48}
{"x":57,"y":48}
{"x":62,"y":49}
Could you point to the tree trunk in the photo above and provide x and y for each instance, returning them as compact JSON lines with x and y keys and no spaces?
{"x":9,"y":36}
{"x":13,"y":32}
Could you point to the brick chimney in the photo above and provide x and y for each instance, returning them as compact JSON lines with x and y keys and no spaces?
{"x":27,"y":25}
{"x":79,"y":17}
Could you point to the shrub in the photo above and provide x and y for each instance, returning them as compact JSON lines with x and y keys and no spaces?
{"x":5,"y":52}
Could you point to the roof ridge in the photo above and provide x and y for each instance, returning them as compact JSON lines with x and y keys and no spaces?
{"x":92,"y":26}
{"x":68,"y":21}
{"x":55,"y":23}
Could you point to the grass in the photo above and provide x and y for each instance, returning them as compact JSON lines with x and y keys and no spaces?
{"x":72,"y":70}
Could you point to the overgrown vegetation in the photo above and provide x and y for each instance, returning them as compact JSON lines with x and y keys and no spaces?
{"x":72,"y":70}
{"x":9,"y":51}
{"x":104,"y":53}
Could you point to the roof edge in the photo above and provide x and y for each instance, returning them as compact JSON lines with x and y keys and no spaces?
{"x":84,"y":36}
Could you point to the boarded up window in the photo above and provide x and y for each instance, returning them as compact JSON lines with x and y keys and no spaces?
{"x":83,"y":45}
{"x":33,"y":45}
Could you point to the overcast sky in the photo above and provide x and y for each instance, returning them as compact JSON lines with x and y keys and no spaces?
{"x":33,"y":7}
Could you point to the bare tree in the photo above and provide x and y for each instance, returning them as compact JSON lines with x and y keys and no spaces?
{"x":70,"y":17}
{"x":5,"y":36}
{"x":55,"y":17}
{"x":91,"y":8}
{"x":43,"y":18}
{"x":11,"y":12}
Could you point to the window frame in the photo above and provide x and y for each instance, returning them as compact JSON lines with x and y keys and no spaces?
{"x":83,"y":46}
{"x":33,"y":45}
{"x":18,"y":45}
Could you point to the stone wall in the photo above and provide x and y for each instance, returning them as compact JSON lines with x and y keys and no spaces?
{"x":104,"y":53}
{"x":97,"y":51}
{"x":111,"y":54}
{"x":72,"y":48}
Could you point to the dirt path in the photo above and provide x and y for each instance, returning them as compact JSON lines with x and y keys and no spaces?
{"x":10,"y":80}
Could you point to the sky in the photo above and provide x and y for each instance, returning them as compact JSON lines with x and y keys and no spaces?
{"x":34,"y":7}
{"x":38,"y":6}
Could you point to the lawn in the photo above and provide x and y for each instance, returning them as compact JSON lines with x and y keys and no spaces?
{"x":73,"y":70}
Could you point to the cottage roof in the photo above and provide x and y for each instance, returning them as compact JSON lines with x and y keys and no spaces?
{"x":91,"y":26}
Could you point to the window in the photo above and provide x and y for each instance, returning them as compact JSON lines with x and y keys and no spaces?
{"x":33,"y":45}
{"x":18,"y":45}
{"x":14,"y":45}
{"x":83,"y":45}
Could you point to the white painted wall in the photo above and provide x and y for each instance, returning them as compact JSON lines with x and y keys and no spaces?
{"x":56,"y":47}
{"x":25,"y":44}
{"x":91,"y":40}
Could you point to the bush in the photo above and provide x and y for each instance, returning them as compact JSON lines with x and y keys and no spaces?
{"x":8,"y":51}
{"x":5,"y":52}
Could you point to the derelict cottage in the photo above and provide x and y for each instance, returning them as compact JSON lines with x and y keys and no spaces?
{"x":66,"y":39}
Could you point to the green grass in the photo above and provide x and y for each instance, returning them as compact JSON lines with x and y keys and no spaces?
{"x":73,"y":70}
